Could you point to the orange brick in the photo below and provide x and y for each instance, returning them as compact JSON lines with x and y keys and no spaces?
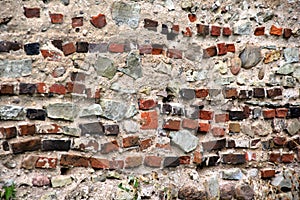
{"x":218,"y":131}
{"x":281,"y":112}
{"x":269,"y":113}
{"x":206,"y":114}
{"x":204,"y":127}
{"x":275,"y":31}
{"x":190,"y":124}
{"x":219,"y":118}
{"x":149,"y":120}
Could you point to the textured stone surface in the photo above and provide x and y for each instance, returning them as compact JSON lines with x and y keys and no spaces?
{"x":291,"y":54}
{"x":117,"y":110}
{"x":15,"y":68}
{"x":232,"y":174}
{"x":8,"y":112}
{"x":105,"y":67}
{"x":133,"y":66}
{"x":66,"y":111}
{"x":184,"y":140}
{"x":293,"y":126}
{"x":126,"y":13}
{"x":250,"y":56}
{"x":60,"y":181}
{"x":92,"y":110}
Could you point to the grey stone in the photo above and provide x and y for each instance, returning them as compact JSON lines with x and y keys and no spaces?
{"x":130,"y":126}
{"x":123,"y":89}
{"x":293,"y":126}
{"x":117,"y":110}
{"x":282,"y":181}
{"x":247,"y":130}
{"x":169,"y":4}
{"x":71,"y":131}
{"x":184,"y":140}
{"x":213,"y":187}
{"x":244,"y":191}
{"x":285,"y":69}
{"x":291,"y":55}
{"x":126,"y":13}
{"x":65,"y":111}
{"x":250,"y":56}
{"x":164,"y":68}
{"x":288,"y":81}
{"x":186,"y":4}
{"x":243,"y":28}
{"x":232,"y":174}
{"x":61,"y":180}
{"x":92,"y":110}
{"x":261,"y":128}
{"x":8,"y":112}
{"x":227,"y":191}
{"x":15,"y":68}
{"x":225,"y":80}
{"x":49,"y":196}
{"x":65,"y":2}
{"x":133,"y":66}
{"x":296,"y":73}
{"x":105,"y":67}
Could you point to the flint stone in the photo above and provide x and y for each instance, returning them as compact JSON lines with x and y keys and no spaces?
{"x":65,"y":111}
{"x":15,"y":68}
{"x":293,"y":126}
{"x":92,"y":110}
{"x":244,"y":28}
{"x":184,"y":140}
{"x":117,"y":110}
{"x":105,"y":67}
{"x":232,"y":174}
{"x":291,"y":55}
{"x":8,"y":112}
{"x":133,"y":66}
{"x":213,"y":186}
{"x":285,"y":69}
{"x":250,"y":56}
{"x":121,"y":88}
{"x":126,"y":13}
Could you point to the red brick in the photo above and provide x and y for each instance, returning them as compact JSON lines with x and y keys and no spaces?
{"x":28,"y":144}
{"x":29,"y":161}
{"x":215,"y":31}
{"x":8,"y":132}
{"x":130,"y":141}
{"x":98,"y":94}
{"x":279,"y":140}
{"x":184,"y":160}
{"x":230,"y":93}
{"x":133,"y":161}
{"x":287,"y":157}
{"x":174,"y":53}
{"x":175,"y":28}
{"x":51,"y":55}
{"x":275,"y":31}
{"x":206,"y":114}
{"x":149,"y":120}
{"x":69,"y":48}
{"x":41,"y":88}
{"x":109,"y":147}
{"x":56,"y":18}
{"x":7,"y":89}
{"x":218,"y":131}
{"x":98,"y":21}
{"x":157,"y":49}
{"x":274,"y":157}
{"x":219,"y":118}
{"x":187,"y":32}
{"x":192,"y":17}
{"x":287,"y":33}
{"x":146,"y":104}
{"x":202,"y":29}
{"x":234,"y":127}
{"x":222,"y":50}
{"x":32,"y":12}
{"x":152,"y":161}
{"x":27,"y":129}
{"x":267,"y":173}
{"x":78,"y":88}
{"x":171,"y":124}
{"x":73,"y":160}
{"x":77,"y":22}
{"x":166,"y":146}
{"x":227,"y":31}
{"x":230,"y":48}
{"x":259,"y":31}
{"x":57,"y":89}
{"x":116,"y":48}
{"x":145,"y":144}
{"x":145,"y":49}
{"x":116,"y":164}
{"x":99,"y":163}
{"x":201,"y":93}
{"x":281,"y":112}
{"x":269,"y":113}
{"x":210,"y":52}
{"x":190,"y":124}
{"x":197,"y":157}
{"x":46,"y":162}
{"x":204,"y":127}
{"x":250,"y":156}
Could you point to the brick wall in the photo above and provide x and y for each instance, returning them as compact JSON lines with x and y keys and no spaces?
{"x":153,"y":86}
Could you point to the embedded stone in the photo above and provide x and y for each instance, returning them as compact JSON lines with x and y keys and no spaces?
{"x":291,"y":55}
{"x":92,"y":110}
{"x":32,"y":48}
{"x":60,"y":181}
{"x":244,"y":191}
{"x":232,"y":174}
{"x":293,"y":126}
{"x":105,"y":67}
{"x":40,"y":181}
{"x":227,"y":191}
{"x":184,"y":140}
{"x":236,"y":64}
{"x":243,"y":28}
{"x":250,"y":56}
{"x":191,"y":192}
{"x":98,"y":21}
{"x":65,"y":111}
{"x":296,"y":73}
{"x":15,"y":68}
{"x":126,"y":13}
{"x":133,"y":66}
{"x":286,"y":69}
{"x":8,"y":112}
{"x":117,"y":110}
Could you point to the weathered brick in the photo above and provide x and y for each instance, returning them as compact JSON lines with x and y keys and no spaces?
{"x":56,"y":145}
{"x":150,"y":24}
{"x":57,"y":89}
{"x":111,"y":129}
{"x":8,"y":132}
{"x":274,"y":92}
{"x":287,"y":33}
{"x":250,"y":156}
{"x":230,"y":93}
{"x":230,"y":48}
{"x":192,"y":17}
{"x":77,"y":76}
{"x":130,"y":141}
{"x":185,"y":160}
{"x":152,"y":161}
{"x":28,"y":144}
{"x":7,"y":46}
{"x":7,"y":89}
{"x":245,"y":94}
{"x":133,"y":161}
{"x":275,"y":31}
{"x":116,"y":47}
{"x":279,"y":140}
{"x":201,"y":93}
{"x":259,"y":31}
{"x":109,"y":147}
{"x":234,"y":127}
{"x":269,"y":113}
{"x":190,"y":124}
{"x":175,"y":29}
{"x":210,"y":52}
{"x":281,"y":112}
{"x":46,"y":162}
{"x":233,"y":158}
{"x":93,"y":128}
{"x":258,"y":92}
{"x":172,"y":124}
{"x":215,"y":31}
{"x":145,"y":144}
{"x":187,"y":93}
{"x":57,"y":44}
{"x":82,"y":47}
{"x":99,"y":163}
{"x":40,"y":181}
{"x":214,"y":144}
{"x":202,"y":29}
{"x":274,"y":157}
{"x":197,"y":157}
{"x":32,"y":12}
{"x":287,"y":157}
{"x":267,"y":173}
{"x":29,"y":161}
{"x":68,"y":48}
{"x":32,"y":48}
{"x":27,"y":129}
{"x":77,"y":22}
{"x":116,"y":164}
{"x":50,"y":129}
{"x":98,"y":21}
{"x":157,"y":49}
{"x":100,"y":48}
{"x":204,"y":127}
{"x":206,"y":114}
{"x":188,"y":32}
{"x":76,"y":88}
{"x":145,"y":49}
{"x":41,"y":88}
{"x":51,"y":55}
{"x":149,"y":120}
{"x":222,"y":49}
{"x":171,"y":161}
{"x":174,"y":53}
{"x":218,"y":131}
{"x":146,"y":104}
{"x":221,"y":118}
{"x":27,"y":88}
{"x":227,"y":31}
{"x":56,"y":18}
{"x":73,"y":160}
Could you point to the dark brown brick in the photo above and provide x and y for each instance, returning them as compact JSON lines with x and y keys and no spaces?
{"x":56,"y":145}
{"x":214,"y":144}
{"x":202,"y":29}
{"x":28,"y":144}
{"x":7,"y":46}
{"x":32,"y":12}
{"x":287,"y":157}
{"x":69,"y":48}
{"x":73,"y":160}
{"x":82,"y":47}
{"x":8,"y":132}
{"x":233,"y":158}
{"x":210,"y":52}
{"x":267,"y":173}
{"x":93,"y":128}
{"x":259,"y":93}
{"x":237,"y":115}
{"x":111,"y":129}
{"x":279,"y":140}
{"x":230,"y":93}
{"x":7,"y":89}
{"x":150,"y":24}
{"x":27,"y":88}
{"x":130,"y":141}
{"x":109,"y":147}
{"x":171,"y":162}
{"x":152,"y":161}
{"x":287,"y":33}
{"x":259,"y":31}
{"x":274,"y":92}
{"x":274,"y":157}
{"x":27,"y":129}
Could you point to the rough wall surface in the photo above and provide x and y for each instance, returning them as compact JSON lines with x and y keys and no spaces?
{"x":150,"y":99}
